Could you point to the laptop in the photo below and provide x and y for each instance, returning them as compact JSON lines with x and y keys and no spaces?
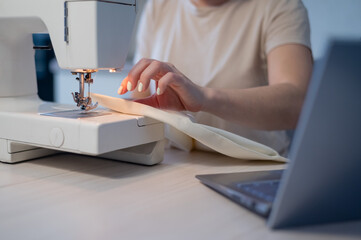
{"x":322,"y":182}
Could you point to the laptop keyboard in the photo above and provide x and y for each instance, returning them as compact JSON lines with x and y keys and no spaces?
{"x":263,"y":190}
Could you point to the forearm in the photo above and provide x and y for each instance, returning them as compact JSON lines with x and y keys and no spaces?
{"x":269,"y":107}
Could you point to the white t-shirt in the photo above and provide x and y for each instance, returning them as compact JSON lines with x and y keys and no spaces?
{"x":223,"y":46}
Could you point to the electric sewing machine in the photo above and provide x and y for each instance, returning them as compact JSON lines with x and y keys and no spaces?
{"x":87,"y":36}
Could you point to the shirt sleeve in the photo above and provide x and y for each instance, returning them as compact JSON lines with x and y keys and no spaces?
{"x":144,"y":31}
{"x":286,"y":22}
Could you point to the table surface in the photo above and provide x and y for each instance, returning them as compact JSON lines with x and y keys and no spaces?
{"x":69,"y":196}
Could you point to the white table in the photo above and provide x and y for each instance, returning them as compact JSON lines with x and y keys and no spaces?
{"x":70,"y":196}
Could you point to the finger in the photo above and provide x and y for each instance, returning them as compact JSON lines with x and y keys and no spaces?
{"x":135,"y":72}
{"x":150,"y":101}
{"x":154,"y":71}
{"x":123,"y":86}
{"x":166,"y":81}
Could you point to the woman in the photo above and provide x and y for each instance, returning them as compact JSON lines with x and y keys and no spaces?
{"x":243,"y":66}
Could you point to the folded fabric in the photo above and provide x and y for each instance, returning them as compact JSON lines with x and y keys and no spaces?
{"x":219,"y":140}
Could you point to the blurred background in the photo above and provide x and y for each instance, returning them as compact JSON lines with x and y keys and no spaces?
{"x":329,"y":19}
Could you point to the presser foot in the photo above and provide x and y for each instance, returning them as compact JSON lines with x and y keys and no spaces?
{"x":82,"y":101}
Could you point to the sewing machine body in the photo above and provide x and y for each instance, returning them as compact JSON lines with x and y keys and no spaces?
{"x":87,"y":36}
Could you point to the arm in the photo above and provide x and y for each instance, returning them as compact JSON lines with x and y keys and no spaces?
{"x":272,"y":107}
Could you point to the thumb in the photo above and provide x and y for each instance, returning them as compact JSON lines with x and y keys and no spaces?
{"x":123,"y":86}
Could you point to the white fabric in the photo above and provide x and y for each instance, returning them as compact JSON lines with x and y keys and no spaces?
{"x":217,"y":139}
{"x":223,"y":47}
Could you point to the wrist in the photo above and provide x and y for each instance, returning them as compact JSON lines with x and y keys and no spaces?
{"x":208,"y":99}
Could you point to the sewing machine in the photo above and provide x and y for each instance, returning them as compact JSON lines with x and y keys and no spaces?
{"x":87,"y":36}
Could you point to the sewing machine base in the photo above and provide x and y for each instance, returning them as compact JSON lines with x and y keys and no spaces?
{"x":145,"y":154}
{"x":31,"y":128}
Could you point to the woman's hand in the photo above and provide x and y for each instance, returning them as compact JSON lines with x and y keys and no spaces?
{"x":174,"y":91}
{"x":273,"y":107}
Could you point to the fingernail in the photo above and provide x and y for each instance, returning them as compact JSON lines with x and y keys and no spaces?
{"x":158,"y":91}
{"x":120,"y":90}
{"x":140,"y":87}
{"x":129,"y":86}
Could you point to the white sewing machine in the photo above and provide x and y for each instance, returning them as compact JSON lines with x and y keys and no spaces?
{"x":87,"y":36}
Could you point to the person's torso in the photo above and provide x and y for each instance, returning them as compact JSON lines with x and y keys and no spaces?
{"x":218,"y":47}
